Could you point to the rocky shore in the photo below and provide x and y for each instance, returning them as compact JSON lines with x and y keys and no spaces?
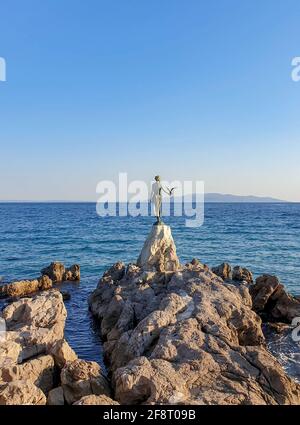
{"x":188,"y":334}
{"x":172,"y":334}
{"x":55,"y":273}
{"x":37,"y":365}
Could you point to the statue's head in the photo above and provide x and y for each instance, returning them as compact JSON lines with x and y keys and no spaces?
{"x":157,"y":178}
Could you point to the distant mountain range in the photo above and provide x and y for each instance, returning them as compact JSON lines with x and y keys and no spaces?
{"x":218,"y":197}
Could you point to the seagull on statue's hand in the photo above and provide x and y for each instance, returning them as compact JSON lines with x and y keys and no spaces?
{"x":171,"y":190}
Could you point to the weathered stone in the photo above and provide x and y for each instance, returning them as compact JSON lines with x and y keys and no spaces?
{"x":25,"y":287}
{"x":242,"y":274}
{"x":62,"y":353}
{"x":153,"y":382}
{"x":10,"y":350}
{"x":72,"y":273}
{"x":271,"y":300}
{"x":223,"y":270}
{"x":59,"y":273}
{"x":116,"y":272}
{"x":188,"y":338}
{"x":20,"y":288}
{"x":45,"y":282}
{"x":56,"y":397}
{"x":159,"y":251}
{"x":35,"y":323}
{"x":21,"y":393}
{"x":101,"y":400}
{"x":80,"y":378}
{"x":55,"y":271}
{"x":40,"y":371}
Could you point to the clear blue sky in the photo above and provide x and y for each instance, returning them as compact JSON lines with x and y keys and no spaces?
{"x":186,"y":89}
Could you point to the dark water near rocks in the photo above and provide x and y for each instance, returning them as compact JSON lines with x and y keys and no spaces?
{"x":262,"y":237}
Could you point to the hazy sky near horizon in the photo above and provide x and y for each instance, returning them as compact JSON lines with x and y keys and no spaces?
{"x":192,"y":89}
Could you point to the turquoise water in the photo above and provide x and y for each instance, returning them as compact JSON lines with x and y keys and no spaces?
{"x":263,"y":237}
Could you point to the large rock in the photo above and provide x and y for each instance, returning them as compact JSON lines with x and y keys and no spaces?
{"x":185,"y":337}
{"x":72,"y":273}
{"x":40,"y":371}
{"x":271,"y":300}
{"x":55,"y":271}
{"x":21,"y":393}
{"x":101,"y":400}
{"x":44,"y":282}
{"x":25,"y":287}
{"x":223,"y":270}
{"x":35,"y":323}
{"x":56,"y":397}
{"x":153,"y":382}
{"x":241,"y":274}
{"x":58,"y":273}
{"x":159,"y":251}
{"x":80,"y":378}
{"x":10,"y":351}
{"x":62,"y":353}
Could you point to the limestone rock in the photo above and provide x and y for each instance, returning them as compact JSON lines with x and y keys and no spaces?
{"x":159,"y":251}
{"x":40,"y":371}
{"x":72,"y":273}
{"x":10,"y":350}
{"x":62,"y":353}
{"x":56,"y":397}
{"x":153,"y":382}
{"x":242,"y":274}
{"x":21,"y":393}
{"x":25,"y":287}
{"x":271,"y":300}
{"x":20,"y":288}
{"x":80,"y":378}
{"x":101,"y":400}
{"x":35,"y":323}
{"x":185,"y":337}
{"x":45,"y":282}
{"x":55,"y":271}
{"x":223,"y":270}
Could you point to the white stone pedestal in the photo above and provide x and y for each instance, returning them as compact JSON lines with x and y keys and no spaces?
{"x":159,"y":251}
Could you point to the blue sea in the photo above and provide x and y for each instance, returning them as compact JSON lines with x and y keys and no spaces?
{"x":263,"y":237}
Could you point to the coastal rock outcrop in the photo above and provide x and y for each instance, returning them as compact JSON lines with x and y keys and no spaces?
{"x":37,"y":365}
{"x":242,"y":274}
{"x":62,"y":353}
{"x":57,"y":272}
{"x":35,"y":323}
{"x":54,"y":273}
{"x":40,"y":371}
{"x":25,"y":287}
{"x":185,"y":337}
{"x":81,"y":378}
{"x":21,"y":393}
{"x":238,"y":273}
{"x":223,"y":270}
{"x":159,"y":251}
{"x":272,"y":302}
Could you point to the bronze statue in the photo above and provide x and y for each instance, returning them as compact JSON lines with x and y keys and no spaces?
{"x":156,"y":198}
